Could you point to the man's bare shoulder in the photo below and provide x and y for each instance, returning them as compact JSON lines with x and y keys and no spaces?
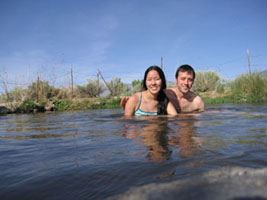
{"x":199,"y":103}
{"x":198,"y":98}
{"x":169,"y":90}
{"x":191,"y":96}
{"x":171,"y":93}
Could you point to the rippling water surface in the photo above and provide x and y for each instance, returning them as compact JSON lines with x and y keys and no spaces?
{"x":97,"y":154}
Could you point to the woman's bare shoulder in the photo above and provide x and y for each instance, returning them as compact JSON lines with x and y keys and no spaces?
{"x":134,"y":98}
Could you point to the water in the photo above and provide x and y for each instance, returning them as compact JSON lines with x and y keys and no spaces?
{"x":97,"y":154}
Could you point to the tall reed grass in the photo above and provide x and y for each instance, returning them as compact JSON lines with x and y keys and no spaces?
{"x":249,"y":88}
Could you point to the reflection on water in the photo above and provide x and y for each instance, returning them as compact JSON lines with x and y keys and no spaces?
{"x":158,"y":134}
{"x":152,"y":135}
{"x":96,"y":154}
{"x":187,"y":141}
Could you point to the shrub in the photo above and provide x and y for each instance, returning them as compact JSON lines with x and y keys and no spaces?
{"x":61,"y":105}
{"x":205,"y":81}
{"x":220,"y":87}
{"x":91,"y":89}
{"x":28,"y":107}
{"x":118,"y":88}
{"x":45,"y":91}
{"x":15,"y":95}
{"x":64,"y":93}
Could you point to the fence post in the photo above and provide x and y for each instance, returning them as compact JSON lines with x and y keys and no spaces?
{"x":106,"y":83}
{"x":37,"y":88}
{"x":71,"y":79}
{"x":249,"y":68}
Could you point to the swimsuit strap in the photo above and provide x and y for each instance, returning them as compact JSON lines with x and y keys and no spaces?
{"x":140,"y":112}
{"x":140,"y":101}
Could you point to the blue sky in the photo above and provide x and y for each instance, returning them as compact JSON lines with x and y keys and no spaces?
{"x":122,"y":38}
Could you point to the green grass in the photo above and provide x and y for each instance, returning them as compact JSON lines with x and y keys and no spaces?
{"x":85,"y":104}
{"x":29,"y":107}
{"x":218,"y":100}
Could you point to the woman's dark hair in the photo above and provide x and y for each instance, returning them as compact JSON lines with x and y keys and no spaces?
{"x":162,"y":98}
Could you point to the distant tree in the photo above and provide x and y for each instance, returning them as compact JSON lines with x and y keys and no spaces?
{"x":137,"y":82}
{"x":137,"y":85}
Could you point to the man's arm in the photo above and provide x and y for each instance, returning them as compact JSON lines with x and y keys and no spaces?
{"x":199,"y":104}
{"x":124,"y":101}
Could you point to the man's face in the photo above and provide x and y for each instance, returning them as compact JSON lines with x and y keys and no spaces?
{"x":184,"y":81}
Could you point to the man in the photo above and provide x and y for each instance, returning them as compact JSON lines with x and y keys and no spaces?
{"x":180,"y":96}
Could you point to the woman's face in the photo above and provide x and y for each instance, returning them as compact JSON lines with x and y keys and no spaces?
{"x":153,"y":82}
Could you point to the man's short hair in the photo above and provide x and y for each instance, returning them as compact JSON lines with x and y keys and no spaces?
{"x":185,"y":68}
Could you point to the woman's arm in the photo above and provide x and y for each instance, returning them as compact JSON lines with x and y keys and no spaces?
{"x":131,"y":105}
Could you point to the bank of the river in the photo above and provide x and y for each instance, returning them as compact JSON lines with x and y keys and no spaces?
{"x":60,"y":105}
{"x":247,"y":88}
{"x":92,"y":103}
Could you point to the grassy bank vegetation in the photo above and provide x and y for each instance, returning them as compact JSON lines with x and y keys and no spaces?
{"x":40,"y":96}
{"x":247,"y":88}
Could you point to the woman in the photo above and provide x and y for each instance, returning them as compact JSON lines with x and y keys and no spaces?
{"x":151,"y":101}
